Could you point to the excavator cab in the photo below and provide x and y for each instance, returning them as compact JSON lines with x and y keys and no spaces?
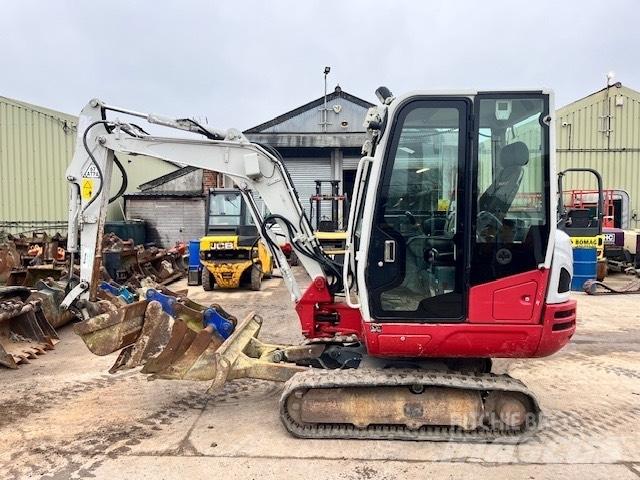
{"x":461,"y":201}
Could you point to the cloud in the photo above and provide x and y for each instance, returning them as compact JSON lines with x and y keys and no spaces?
{"x":241,"y":63}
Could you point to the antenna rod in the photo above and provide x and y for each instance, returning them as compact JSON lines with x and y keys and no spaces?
{"x":325,"y":119}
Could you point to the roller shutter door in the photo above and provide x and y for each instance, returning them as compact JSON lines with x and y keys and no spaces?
{"x":168,"y":219}
{"x":304,"y":173}
{"x":350,"y":163}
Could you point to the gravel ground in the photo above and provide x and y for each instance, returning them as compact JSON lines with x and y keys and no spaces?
{"x":63,"y":416}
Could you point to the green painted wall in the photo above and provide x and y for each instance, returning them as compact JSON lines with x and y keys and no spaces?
{"x":36,"y":145}
{"x":602,"y":131}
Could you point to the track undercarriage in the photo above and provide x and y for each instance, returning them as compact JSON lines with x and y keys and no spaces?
{"x":408,"y":405}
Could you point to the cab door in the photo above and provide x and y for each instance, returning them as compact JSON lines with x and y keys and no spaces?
{"x":417,"y":256}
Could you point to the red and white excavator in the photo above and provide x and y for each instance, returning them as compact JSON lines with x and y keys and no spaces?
{"x":453,"y":258}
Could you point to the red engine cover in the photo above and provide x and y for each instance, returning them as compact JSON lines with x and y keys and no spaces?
{"x":515,"y":299}
{"x":507,"y":318}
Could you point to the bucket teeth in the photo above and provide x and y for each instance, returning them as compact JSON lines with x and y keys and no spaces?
{"x":189,"y":365}
{"x":170,"y":348}
{"x":7,"y":360}
{"x":181,"y":338}
{"x":25,"y":332}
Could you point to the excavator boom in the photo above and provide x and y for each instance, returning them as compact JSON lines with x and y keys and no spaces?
{"x":252,"y":168}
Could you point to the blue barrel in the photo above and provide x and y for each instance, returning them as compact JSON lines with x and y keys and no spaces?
{"x":585,"y":262}
{"x":193,"y":277}
{"x":194,"y":254}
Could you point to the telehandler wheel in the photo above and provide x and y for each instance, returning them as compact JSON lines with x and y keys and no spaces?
{"x":269,"y":274}
{"x":256,"y":277}
{"x":207,"y":280}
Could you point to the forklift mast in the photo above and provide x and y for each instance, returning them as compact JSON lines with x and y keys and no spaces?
{"x":339,"y":207}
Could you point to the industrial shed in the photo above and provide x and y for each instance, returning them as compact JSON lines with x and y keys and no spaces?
{"x":36,"y":145}
{"x":316,"y":143}
{"x":321,"y":140}
{"x":602,"y":131}
{"x":173,"y":206}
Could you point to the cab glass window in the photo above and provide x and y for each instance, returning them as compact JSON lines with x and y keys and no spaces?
{"x":512,"y":187}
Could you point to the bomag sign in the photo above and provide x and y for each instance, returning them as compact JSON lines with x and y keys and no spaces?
{"x":587,"y":242}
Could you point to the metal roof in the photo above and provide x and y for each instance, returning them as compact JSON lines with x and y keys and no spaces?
{"x":164,"y":194}
{"x":337,"y":93}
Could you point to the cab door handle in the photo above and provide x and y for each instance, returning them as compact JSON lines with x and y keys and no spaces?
{"x":389,"y":251}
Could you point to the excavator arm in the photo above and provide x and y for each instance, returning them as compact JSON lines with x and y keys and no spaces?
{"x":251,"y":166}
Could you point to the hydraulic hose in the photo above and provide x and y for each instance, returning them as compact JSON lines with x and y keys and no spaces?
{"x":94,"y":161}
{"x":328,"y":265}
{"x":125,"y":180}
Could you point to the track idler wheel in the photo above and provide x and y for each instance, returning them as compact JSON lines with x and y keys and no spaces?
{"x":507,"y":410}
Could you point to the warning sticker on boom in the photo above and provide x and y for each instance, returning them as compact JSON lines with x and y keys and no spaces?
{"x":91,"y":172}
{"x":86,"y":188}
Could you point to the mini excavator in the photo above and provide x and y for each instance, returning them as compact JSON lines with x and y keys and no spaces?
{"x":453,"y":258}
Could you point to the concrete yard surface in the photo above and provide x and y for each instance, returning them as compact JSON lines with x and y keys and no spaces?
{"x":63,"y":416}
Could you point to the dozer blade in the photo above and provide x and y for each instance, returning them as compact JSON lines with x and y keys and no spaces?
{"x":107,"y":332}
{"x":25,"y":333}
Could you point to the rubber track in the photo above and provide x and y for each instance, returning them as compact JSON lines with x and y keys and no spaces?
{"x":393,"y":378}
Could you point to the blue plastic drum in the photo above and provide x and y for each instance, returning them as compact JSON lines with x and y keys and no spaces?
{"x":585,"y":262}
{"x":194,"y":254}
{"x":193,"y":277}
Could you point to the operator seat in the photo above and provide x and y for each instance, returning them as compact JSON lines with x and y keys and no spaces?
{"x":579,"y":218}
{"x":434,"y":226}
{"x":497,"y":199}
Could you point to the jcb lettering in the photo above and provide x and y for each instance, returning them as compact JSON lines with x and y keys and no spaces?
{"x":221,"y":245}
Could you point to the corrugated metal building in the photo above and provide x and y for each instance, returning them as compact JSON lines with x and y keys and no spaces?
{"x":173,"y":206}
{"x":318,"y":143}
{"x":36,"y":145}
{"x":602,"y":131}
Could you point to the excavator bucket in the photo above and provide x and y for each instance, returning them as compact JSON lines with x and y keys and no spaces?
{"x":115,"y":329}
{"x":51,"y":294}
{"x":178,"y":339}
{"x":183,"y":358}
{"x":9,"y":260}
{"x":25,"y":333}
{"x":166,"y":334}
{"x":154,"y":337}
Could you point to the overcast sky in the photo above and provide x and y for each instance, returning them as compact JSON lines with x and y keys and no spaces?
{"x":239,"y":63}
